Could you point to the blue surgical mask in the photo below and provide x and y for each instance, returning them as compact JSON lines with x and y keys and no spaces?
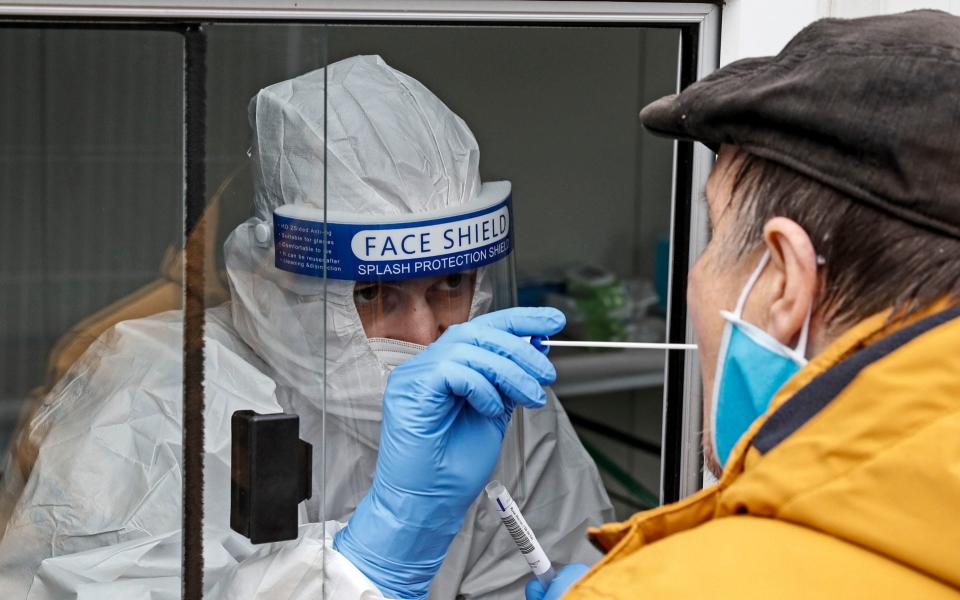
{"x":751,"y":367}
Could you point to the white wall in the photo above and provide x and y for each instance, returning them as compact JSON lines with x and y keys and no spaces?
{"x":862,"y":8}
{"x":762,"y":27}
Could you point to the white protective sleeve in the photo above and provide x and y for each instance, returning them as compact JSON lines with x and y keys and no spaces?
{"x":294,"y":570}
{"x":150,"y":570}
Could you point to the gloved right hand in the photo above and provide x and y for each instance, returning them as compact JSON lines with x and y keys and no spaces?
{"x":445,"y":412}
{"x":567,"y":576}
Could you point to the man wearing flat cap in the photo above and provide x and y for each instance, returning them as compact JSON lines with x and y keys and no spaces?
{"x":827,"y":312}
{"x":826,"y":308}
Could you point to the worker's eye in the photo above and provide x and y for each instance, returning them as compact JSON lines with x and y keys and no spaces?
{"x":366,"y":293}
{"x":451,"y":282}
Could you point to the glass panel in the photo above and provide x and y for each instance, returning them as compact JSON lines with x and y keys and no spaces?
{"x":91,"y":166}
{"x":264,"y":326}
{"x":552,"y":113}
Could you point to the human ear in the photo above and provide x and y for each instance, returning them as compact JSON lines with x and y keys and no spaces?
{"x":793,"y":266}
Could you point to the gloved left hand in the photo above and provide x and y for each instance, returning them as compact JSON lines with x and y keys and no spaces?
{"x":445,"y":412}
{"x":567,"y":576}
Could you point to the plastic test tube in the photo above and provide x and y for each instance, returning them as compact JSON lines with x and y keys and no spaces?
{"x":521,"y":533}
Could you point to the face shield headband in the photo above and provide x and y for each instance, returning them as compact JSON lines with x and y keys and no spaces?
{"x":379,"y":248}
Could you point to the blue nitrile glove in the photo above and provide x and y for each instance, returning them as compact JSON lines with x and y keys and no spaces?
{"x":445,"y":412}
{"x":567,"y":576}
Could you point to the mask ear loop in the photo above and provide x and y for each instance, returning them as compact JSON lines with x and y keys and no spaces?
{"x":738,"y":311}
{"x":801,"y":347}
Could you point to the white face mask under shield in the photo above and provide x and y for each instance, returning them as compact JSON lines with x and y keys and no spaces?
{"x":393,"y":353}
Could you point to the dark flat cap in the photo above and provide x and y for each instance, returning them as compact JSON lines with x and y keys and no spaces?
{"x":870,"y":107}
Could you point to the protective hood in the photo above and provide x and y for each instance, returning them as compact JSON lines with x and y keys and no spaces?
{"x":392,"y":147}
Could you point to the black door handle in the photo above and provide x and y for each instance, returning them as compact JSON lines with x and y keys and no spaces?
{"x":271,"y":472}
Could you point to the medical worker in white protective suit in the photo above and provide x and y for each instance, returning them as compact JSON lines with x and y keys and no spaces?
{"x":418,"y":245}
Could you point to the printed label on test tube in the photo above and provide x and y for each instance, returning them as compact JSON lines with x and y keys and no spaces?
{"x":521,"y":533}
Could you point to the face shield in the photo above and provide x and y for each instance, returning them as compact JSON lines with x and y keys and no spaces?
{"x":413,"y":276}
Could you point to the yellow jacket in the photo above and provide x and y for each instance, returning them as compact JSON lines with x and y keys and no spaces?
{"x":849,"y":487}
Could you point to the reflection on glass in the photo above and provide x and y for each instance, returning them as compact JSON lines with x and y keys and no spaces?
{"x":91,"y":160}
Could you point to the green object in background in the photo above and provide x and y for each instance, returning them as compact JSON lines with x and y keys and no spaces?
{"x":602,"y":301}
{"x":597,"y":310}
{"x":643,"y":497}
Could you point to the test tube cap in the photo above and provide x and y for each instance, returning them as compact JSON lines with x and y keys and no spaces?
{"x":494,"y":489}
